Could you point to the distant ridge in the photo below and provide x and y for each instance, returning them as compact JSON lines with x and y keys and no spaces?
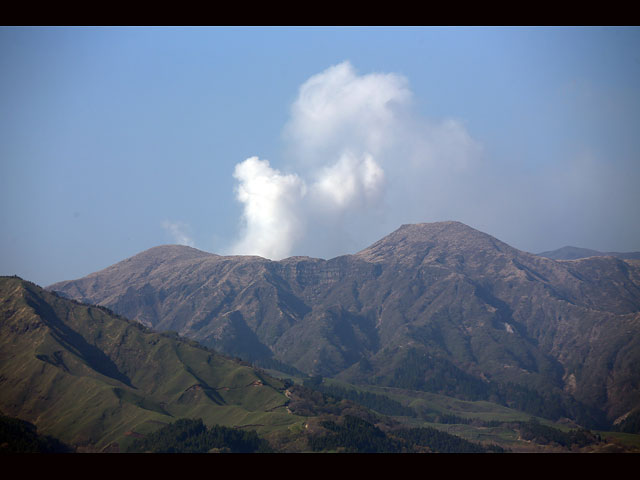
{"x":574,"y":253}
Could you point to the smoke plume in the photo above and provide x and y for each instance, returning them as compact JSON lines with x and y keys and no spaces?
{"x":178,"y":230}
{"x":358,"y":159}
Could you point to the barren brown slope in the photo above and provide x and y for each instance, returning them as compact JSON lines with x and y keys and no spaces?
{"x":463,"y":301}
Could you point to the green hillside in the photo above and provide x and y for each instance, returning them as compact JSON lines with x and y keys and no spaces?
{"x":84,"y":376}
{"x":96,"y":380}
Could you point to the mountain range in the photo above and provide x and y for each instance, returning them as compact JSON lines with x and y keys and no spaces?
{"x":435,"y":307}
{"x":79,"y":378}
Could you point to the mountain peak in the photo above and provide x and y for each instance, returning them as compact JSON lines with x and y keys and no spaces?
{"x":450,"y":236}
{"x":173,"y":251}
{"x":160,"y":254}
{"x":442,"y":224}
{"x":163,"y":258}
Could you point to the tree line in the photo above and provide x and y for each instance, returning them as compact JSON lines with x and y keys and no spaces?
{"x":356,"y":435}
{"x":20,"y":436}
{"x":193,"y":436}
{"x":419,"y":371}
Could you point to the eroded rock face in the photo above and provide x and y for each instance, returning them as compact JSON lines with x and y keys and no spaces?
{"x":442,"y":289}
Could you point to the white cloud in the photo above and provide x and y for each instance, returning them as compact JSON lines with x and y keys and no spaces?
{"x":360,"y":157}
{"x":338,"y":110}
{"x":351,"y":181}
{"x":177,"y":230}
{"x":272,"y":218}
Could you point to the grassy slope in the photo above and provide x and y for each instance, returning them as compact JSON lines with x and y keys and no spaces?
{"x":488,"y":422}
{"x":90,"y":378}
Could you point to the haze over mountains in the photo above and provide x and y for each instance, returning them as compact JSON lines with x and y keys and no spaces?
{"x":438,"y":307}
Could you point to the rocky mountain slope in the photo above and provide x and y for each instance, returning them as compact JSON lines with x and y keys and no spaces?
{"x":437,"y":307}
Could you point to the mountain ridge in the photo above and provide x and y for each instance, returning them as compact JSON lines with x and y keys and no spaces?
{"x":574,"y":253}
{"x":91,"y":378}
{"x":480,"y":309}
{"x":106,"y":384}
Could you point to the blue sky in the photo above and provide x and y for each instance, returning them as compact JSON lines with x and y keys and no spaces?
{"x":311,"y":141}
